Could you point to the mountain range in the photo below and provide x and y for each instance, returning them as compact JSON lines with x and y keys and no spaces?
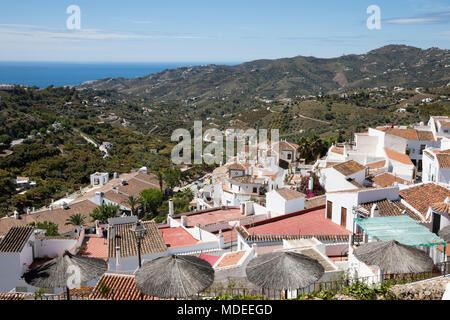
{"x":392,"y":65}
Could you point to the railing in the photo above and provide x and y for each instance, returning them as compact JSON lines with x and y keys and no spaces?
{"x":335,"y":285}
{"x":230,"y":292}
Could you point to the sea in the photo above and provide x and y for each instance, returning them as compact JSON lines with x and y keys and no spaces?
{"x":44,"y":74}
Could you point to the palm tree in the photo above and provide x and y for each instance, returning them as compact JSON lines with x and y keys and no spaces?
{"x":133,"y":202}
{"x":76,"y":220}
{"x":160,"y":176}
{"x":104,"y":212}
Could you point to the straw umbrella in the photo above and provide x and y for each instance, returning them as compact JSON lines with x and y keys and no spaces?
{"x":444,"y":233}
{"x":174,"y":277}
{"x":283,"y":270}
{"x":65,"y":270}
{"x":394,"y":257}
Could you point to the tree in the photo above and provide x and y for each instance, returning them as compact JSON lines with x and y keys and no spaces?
{"x":150,"y":199}
{"x":51,"y":229}
{"x":76,"y":220}
{"x":160,"y":176}
{"x":172,"y":177}
{"x":104,"y":212}
{"x":133,"y":202}
{"x":5,"y":141}
{"x":310,"y":148}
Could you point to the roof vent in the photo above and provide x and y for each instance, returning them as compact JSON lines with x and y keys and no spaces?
{"x":123,"y":182}
{"x":65,"y":206}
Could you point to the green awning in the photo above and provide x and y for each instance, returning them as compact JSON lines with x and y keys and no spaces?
{"x":401,"y":228}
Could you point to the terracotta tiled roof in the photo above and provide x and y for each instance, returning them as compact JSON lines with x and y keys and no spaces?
{"x":57,"y":216}
{"x":245,"y":180}
{"x":289,"y":194}
{"x":387,"y":180}
{"x":297,"y":225}
{"x":117,"y":287}
{"x":81,"y":292}
{"x":176,"y":237}
{"x":236,"y":166}
{"x":209,"y":258}
{"x":14,"y":296}
{"x":397,"y":156}
{"x":287,"y":146}
{"x":134,"y":187}
{"x":118,"y":198}
{"x":15,"y":239}
{"x":441,"y":207}
{"x":443,"y":159}
{"x":315,"y":201}
{"x":444,"y":123}
{"x":212,"y":216}
{"x":126,"y":240}
{"x":425,"y":135}
{"x":277,"y":238}
{"x":337,"y":150}
{"x":94,"y":248}
{"x":387,"y":208}
{"x":376,"y":164}
{"x":149,"y":178}
{"x":410,"y":134}
{"x":230,"y":259}
{"x":349,"y":167}
{"x":421,"y":197}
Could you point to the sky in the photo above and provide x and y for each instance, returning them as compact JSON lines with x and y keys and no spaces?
{"x":214,"y":30}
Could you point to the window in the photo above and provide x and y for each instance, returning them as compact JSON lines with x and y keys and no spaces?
{"x":343,"y":217}
{"x":255,"y":190}
{"x":329,"y":209}
{"x":289,"y":156}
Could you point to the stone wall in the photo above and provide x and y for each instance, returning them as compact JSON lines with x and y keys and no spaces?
{"x":432,"y":289}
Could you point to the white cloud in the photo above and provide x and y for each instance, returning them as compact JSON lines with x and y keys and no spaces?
{"x":441,"y":17}
{"x":14,"y":32}
{"x":411,"y":21}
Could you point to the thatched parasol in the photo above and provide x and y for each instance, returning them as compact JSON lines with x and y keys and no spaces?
{"x":62,"y":272}
{"x":394,"y":257}
{"x":174,"y":277}
{"x":283,"y":270}
{"x":444,"y":233}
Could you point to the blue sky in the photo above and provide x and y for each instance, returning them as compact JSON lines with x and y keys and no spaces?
{"x":214,"y":30}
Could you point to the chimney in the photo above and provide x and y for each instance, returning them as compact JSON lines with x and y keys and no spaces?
{"x":16,"y":215}
{"x":243,"y":208}
{"x":117,"y":258}
{"x":447,"y":200}
{"x":64,"y":206}
{"x":255,"y":249}
{"x":112,"y":232}
{"x":28,"y":211}
{"x":184,"y":221}
{"x":34,"y":209}
{"x":123,"y":182}
{"x":115,"y":175}
{"x":171,"y":211}
{"x":374,"y":212}
{"x":98,"y":198}
{"x":221,"y":241}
